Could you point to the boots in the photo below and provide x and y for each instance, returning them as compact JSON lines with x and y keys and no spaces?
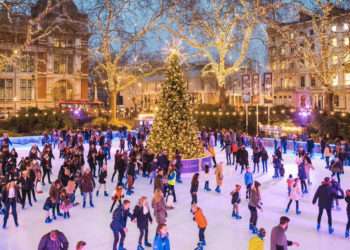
{"x":97,"y":193}
{"x":298,"y":212}
{"x":347,"y":234}
{"x":318,"y":227}
{"x":91,"y":204}
{"x":286,"y":211}
{"x":84,"y":204}
{"x":105,"y":194}
{"x":140,"y":247}
{"x":147,"y":244}
{"x":48,"y":220}
{"x":233,"y":214}
{"x":330,"y":230}
{"x":68,"y":215}
{"x":206,"y":186}
{"x":238,"y":217}
{"x":217,"y":189}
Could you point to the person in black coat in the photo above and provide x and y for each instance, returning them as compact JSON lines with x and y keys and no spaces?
{"x":325,"y":195}
{"x":242,"y":158}
{"x":142,"y":215}
{"x":118,"y":224}
{"x":26,"y":187}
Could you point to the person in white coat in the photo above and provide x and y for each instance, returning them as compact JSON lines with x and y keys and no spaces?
{"x":295,"y":195}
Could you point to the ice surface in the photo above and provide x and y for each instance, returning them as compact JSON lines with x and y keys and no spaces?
{"x":223,"y":232}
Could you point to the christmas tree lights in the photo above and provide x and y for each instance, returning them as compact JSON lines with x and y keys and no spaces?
{"x":174,"y":127}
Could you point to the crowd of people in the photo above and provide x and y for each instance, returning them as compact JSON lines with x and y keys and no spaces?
{"x":86,"y":156}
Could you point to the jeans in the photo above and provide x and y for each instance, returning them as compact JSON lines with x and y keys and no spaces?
{"x":249,"y":189}
{"x":253,"y":216}
{"x":338,"y":176}
{"x":256,"y":166}
{"x":277,"y":174}
{"x":296,"y":205}
{"x":171,"y":189}
{"x":116,"y":238}
{"x":26,"y":193}
{"x":143,"y":232}
{"x":327,"y":161}
{"x":194,"y":198}
{"x":90,"y":197}
{"x":264,"y":165}
{"x":11,"y":203}
{"x":303,"y":186}
{"x":201,"y":234}
{"x":329,"y":215}
{"x":228,"y":158}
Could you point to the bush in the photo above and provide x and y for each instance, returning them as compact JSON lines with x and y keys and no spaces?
{"x":35,"y":121}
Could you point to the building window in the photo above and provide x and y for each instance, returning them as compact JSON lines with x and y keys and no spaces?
{"x":292,"y":35}
{"x":63,"y":64}
{"x":27,"y":63}
{"x":283,"y":51}
{"x":345,"y":27}
{"x":334,"y":42}
{"x":26,"y":89}
{"x":334,"y":28}
{"x":302,"y":82}
{"x":346,"y":41}
{"x":313,"y":82}
{"x":335,"y":80}
{"x":334,"y":60}
{"x":311,"y":32}
{"x":347,"y":78}
{"x":6,"y":89}
{"x":292,"y":50}
{"x":8,"y":68}
{"x":63,"y":43}
{"x":336,"y":100}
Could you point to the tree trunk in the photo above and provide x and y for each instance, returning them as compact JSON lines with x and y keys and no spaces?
{"x":113,"y":104}
{"x":223,"y":100}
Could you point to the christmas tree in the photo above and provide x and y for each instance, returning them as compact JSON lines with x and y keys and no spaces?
{"x":174,"y":127}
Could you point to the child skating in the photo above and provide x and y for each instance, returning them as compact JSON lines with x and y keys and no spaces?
{"x":235,"y":201}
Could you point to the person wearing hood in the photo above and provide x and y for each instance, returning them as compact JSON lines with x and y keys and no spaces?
{"x":279,"y":239}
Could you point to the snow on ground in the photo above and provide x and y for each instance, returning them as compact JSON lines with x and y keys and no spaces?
{"x":223,"y":232}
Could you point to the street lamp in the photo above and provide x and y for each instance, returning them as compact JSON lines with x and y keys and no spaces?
{"x":15,"y":102}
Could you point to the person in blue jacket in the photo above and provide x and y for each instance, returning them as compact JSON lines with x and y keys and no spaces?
{"x":118,"y":224}
{"x":248,"y":181}
{"x":161,"y":240}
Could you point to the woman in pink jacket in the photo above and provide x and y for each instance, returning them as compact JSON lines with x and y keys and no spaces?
{"x":295,"y":195}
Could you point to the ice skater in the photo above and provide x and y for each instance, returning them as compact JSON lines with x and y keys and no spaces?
{"x":235,"y":201}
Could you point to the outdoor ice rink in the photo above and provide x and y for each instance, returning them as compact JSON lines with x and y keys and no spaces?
{"x":223,"y":232}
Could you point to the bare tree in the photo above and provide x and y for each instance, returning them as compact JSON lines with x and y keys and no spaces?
{"x":221,"y":31}
{"x":116,"y":28}
{"x":26,"y":25}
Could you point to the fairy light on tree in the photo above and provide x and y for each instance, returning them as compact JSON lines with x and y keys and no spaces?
{"x":114,"y":41}
{"x":174,"y":127}
{"x":217,"y":29}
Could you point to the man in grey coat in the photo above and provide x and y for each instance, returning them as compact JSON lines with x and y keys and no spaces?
{"x":278,"y":236}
